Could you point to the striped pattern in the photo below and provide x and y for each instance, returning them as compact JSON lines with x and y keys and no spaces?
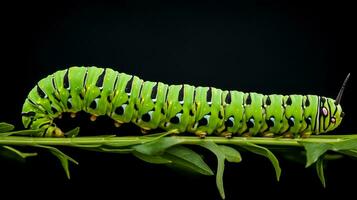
{"x":150,"y":105}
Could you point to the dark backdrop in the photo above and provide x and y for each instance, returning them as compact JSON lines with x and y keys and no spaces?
{"x":263,"y":46}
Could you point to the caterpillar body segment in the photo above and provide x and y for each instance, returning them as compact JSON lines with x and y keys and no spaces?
{"x":151,"y":105}
{"x":179,"y":109}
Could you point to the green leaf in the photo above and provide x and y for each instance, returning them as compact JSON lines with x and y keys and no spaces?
{"x":320,"y":171}
{"x":298,"y":157}
{"x":28,"y":132}
{"x":72,"y":133}
{"x":329,"y":156}
{"x":220,"y":164}
{"x":5,"y":127}
{"x":158,"y":146}
{"x":351,"y":152}
{"x":151,"y":159}
{"x":63,"y":158}
{"x":19,"y":153}
{"x":266,"y":153}
{"x":184,"y":157}
{"x":231,"y":154}
{"x":314,"y":151}
{"x":14,"y":154}
{"x":344,"y":145}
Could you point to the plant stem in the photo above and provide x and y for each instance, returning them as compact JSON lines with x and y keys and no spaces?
{"x":98,"y":140}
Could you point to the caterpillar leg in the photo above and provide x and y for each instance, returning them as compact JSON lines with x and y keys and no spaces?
{"x":201,"y":134}
{"x":144,"y":130}
{"x":117,"y":124}
{"x":268,"y":134}
{"x":305,"y":134}
{"x":73,"y":115}
{"x":247,"y":134}
{"x":288,"y":135}
{"x":227,"y":134}
{"x":93,"y":118}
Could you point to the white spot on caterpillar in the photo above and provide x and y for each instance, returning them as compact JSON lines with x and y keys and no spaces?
{"x":207,"y":117}
{"x":231,"y":119}
{"x":324,"y":111}
{"x":124,"y":106}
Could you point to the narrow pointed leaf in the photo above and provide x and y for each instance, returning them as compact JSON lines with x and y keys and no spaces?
{"x":19,"y":153}
{"x":158,"y":146}
{"x":14,"y":154}
{"x":28,"y":132}
{"x":328,"y":156}
{"x":231,"y":154}
{"x":214,"y":148}
{"x":151,"y":159}
{"x":351,"y":152}
{"x":5,"y":127}
{"x":72,"y":133}
{"x":187,"y":159}
{"x":345,"y":145}
{"x":314,"y":151}
{"x":298,"y":157}
{"x":63,"y":158}
{"x":266,"y":153}
{"x":320,"y":171}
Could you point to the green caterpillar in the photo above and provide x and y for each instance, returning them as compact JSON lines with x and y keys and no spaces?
{"x":200,"y":110}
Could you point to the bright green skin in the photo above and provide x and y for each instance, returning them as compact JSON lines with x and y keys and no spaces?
{"x":185,"y":108}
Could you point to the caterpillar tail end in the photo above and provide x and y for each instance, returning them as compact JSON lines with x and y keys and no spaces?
{"x":54,"y":132}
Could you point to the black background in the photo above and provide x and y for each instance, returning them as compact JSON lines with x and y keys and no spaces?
{"x":262,"y":46}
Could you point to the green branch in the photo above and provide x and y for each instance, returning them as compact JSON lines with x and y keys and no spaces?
{"x":171,"y":149}
{"x":127,"y":140}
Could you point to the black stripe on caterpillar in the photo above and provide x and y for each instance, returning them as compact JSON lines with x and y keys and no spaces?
{"x":185,"y":108}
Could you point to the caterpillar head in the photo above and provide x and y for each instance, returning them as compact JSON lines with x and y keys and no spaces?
{"x":331,"y":113}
